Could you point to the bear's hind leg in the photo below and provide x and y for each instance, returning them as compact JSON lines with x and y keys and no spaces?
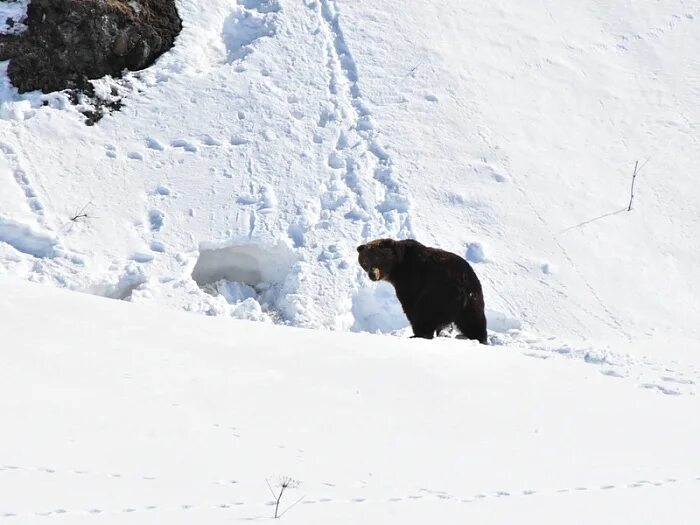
{"x":427,"y":319}
{"x":473,"y":326}
{"x":423,"y":328}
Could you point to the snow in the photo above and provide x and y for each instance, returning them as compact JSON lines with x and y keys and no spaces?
{"x":12,"y":13}
{"x":542,"y":110}
{"x":235,"y":182}
{"x":308,"y":128}
{"x":130,"y":413}
{"x":23,"y":239}
{"x":291,"y":165}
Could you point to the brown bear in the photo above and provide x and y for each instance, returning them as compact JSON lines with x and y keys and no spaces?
{"x":435,"y":287}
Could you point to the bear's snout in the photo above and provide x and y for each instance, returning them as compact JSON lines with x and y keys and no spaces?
{"x":368,"y":263}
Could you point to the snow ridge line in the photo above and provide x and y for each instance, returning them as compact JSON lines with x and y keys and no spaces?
{"x":422,"y":493}
{"x":347,"y":99}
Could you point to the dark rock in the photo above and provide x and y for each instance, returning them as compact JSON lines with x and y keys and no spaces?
{"x":69,"y":42}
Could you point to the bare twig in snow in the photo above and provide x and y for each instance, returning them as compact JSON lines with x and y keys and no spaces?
{"x":82,"y":214}
{"x":412,"y":72}
{"x":292,"y":506}
{"x":284,"y":483}
{"x":589,"y":221}
{"x":634,"y":177}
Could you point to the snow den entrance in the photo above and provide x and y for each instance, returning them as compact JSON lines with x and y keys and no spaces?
{"x":247,"y":276}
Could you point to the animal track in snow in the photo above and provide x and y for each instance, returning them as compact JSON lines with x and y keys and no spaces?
{"x":208,"y":140}
{"x":249,"y":21}
{"x":264,"y":198}
{"x":612,"y":373}
{"x":157,"y":246}
{"x":238,"y":141}
{"x":162,"y":190}
{"x":547,"y":268}
{"x":643,"y":372}
{"x":370,"y":190}
{"x":661,"y":388}
{"x":261,"y":6}
{"x":73,"y":472}
{"x":679,"y":380}
{"x":23,"y":181}
{"x":670,"y":23}
{"x":423,"y":494}
{"x":486,"y":170}
{"x":154,"y":144}
{"x":135,"y":155}
{"x":156,"y":218}
{"x":184,"y":144}
{"x":141,"y":257}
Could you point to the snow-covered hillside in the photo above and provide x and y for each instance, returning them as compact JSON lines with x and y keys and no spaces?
{"x":277,"y":135}
{"x":119,"y":413}
{"x":236,"y":181}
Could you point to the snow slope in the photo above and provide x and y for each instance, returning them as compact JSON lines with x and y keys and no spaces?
{"x":517,"y":126}
{"x":120,"y":413}
{"x":263,"y":154}
{"x":277,"y":135}
{"x":243,"y":170}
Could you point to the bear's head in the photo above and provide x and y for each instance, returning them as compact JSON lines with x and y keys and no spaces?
{"x":379,"y":257}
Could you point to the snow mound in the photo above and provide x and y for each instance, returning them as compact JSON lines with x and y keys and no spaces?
{"x":123,"y":288}
{"x":250,"y":21}
{"x":27,"y":239}
{"x":376,"y":309}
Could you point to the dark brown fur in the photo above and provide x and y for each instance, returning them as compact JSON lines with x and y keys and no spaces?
{"x":435,"y":288}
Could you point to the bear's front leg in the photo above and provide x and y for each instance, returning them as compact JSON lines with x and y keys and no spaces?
{"x":423,"y":322}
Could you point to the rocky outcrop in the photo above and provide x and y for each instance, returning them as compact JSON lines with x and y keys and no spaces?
{"x":69,"y":42}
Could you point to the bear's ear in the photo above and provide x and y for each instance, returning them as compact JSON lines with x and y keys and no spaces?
{"x":361,"y":247}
